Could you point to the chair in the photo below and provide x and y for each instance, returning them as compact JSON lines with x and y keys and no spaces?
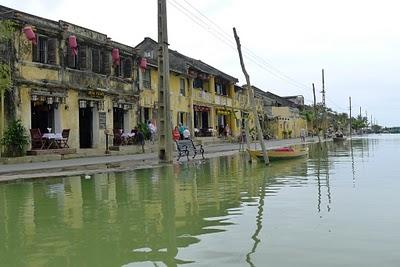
{"x":118,"y":139}
{"x":64,"y":139}
{"x":36,"y":139}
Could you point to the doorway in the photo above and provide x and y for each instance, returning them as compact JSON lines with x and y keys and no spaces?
{"x":85,"y":127}
{"x":42,"y":116}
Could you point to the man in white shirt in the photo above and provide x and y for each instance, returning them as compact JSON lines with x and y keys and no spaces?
{"x":186,"y":134}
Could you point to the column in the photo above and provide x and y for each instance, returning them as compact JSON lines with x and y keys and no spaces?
{"x":191,"y":111}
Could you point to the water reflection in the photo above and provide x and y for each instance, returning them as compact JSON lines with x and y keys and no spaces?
{"x":153,"y":215}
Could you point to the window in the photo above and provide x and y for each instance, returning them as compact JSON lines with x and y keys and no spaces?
{"x":124,"y":69}
{"x":198,"y":83}
{"x":220,"y":88}
{"x":45,"y":50}
{"x":101,"y":61}
{"x":96,"y":60}
{"x":182,"y":87}
{"x":72,"y":60}
{"x":147,"y":79}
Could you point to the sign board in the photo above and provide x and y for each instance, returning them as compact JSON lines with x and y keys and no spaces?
{"x":102,"y":120}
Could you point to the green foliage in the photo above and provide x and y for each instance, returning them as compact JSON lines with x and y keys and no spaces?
{"x":7,"y":29}
{"x":5,"y":77}
{"x":359,"y":123}
{"x":15,"y":139}
{"x":144,"y":129}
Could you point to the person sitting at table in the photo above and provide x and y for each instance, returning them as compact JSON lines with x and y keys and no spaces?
{"x":175,"y":134}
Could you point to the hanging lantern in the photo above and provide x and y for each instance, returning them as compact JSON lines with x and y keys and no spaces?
{"x":56,"y":99}
{"x":82,"y":103}
{"x":91,"y":103}
{"x":42,"y":98}
{"x":115,"y":56}
{"x":29,"y":34}
{"x":49,"y":100}
{"x":115,"y":104}
{"x":34,"y":97}
{"x":143,"y":63}
{"x":73,"y":44}
{"x":126,"y":106}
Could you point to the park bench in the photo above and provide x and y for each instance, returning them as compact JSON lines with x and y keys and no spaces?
{"x":185,"y":146}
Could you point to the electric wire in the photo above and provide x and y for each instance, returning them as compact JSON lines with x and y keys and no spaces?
{"x":224,"y":37}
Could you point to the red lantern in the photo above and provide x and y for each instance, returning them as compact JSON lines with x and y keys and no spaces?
{"x":72,"y":43}
{"x":29,"y":34}
{"x":143,"y":63}
{"x":115,"y":56}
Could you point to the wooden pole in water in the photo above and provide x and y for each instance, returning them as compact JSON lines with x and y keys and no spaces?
{"x":350,"y":117}
{"x":251,"y":98}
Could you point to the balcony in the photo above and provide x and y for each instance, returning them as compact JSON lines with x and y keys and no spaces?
{"x":223,"y":100}
{"x":201,"y":96}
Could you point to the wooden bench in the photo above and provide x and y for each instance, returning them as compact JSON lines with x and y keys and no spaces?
{"x":186,"y":146}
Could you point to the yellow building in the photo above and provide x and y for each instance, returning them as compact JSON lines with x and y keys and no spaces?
{"x":279,"y":116}
{"x":202,"y":97}
{"x":69,"y":77}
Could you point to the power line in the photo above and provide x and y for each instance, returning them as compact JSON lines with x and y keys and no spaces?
{"x":219,"y":33}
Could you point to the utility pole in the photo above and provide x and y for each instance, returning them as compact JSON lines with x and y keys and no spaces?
{"x":251,"y":97}
{"x":350,"y":117}
{"x":324,"y":103}
{"x":323,"y":88}
{"x":164,"y":98}
{"x":315,"y":106}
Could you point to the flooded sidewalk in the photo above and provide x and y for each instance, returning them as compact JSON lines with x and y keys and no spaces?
{"x":106,"y":163}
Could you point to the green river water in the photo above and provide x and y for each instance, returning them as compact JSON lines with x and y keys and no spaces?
{"x":338,"y":207}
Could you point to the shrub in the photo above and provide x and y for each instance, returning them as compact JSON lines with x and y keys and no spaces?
{"x":15,"y":139}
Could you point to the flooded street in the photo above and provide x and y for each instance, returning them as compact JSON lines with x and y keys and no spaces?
{"x":338,"y":207}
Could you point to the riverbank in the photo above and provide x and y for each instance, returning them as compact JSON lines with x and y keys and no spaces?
{"x":91,"y":164}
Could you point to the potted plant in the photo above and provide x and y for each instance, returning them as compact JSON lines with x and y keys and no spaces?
{"x":15,"y":139}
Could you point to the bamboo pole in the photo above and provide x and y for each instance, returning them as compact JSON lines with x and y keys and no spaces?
{"x":251,"y":98}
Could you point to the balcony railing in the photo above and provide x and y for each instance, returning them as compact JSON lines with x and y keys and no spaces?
{"x":202,"y":96}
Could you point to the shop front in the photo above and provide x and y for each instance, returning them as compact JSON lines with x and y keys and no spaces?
{"x":202,"y":121}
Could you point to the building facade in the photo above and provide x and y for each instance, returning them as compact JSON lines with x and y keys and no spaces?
{"x":69,"y":77}
{"x":203,"y":98}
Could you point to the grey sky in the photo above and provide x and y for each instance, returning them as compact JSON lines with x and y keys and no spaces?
{"x":356,"y":42}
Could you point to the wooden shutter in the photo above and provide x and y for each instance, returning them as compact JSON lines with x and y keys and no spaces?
{"x":35,"y":50}
{"x":106,"y":65}
{"x":52,"y":51}
{"x":70,"y":58}
{"x":82,"y":57}
{"x":95,"y":60}
{"x":127,"y":68}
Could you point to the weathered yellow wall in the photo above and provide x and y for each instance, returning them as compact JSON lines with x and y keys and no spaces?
{"x":70,"y":118}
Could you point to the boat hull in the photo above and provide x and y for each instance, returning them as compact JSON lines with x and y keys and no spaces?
{"x":279,"y":154}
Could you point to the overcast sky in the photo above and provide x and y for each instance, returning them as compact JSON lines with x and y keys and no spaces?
{"x":287,"y":42}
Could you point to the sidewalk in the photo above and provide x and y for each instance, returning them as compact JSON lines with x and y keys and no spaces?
{"x":95,"y":164}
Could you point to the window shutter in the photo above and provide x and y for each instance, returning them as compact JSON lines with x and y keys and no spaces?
{"x":127,"y":64}
{"x":82,"y":57}
{"x":52,"y":51}
{"x":35,"y":50}
{"x":70,"y":58}
{"x":95,"y":61}
{"x":105,"y":66}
